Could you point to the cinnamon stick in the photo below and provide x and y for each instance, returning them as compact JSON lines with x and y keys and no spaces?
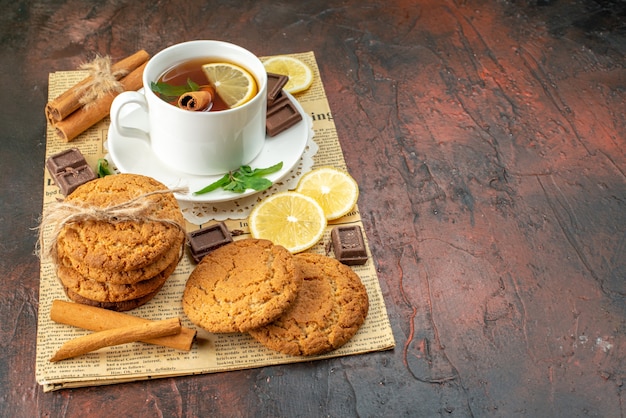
{"x":195,"y":100}
{"x":69,"y":101}
{"x":83,"y":119}
{"x":98,"y":319}
{"x":116,"y":336}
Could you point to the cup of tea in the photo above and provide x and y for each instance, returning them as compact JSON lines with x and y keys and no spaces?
{"x":199,"y":141}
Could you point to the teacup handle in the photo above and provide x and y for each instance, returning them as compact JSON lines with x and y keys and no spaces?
{"x":123,"y":99}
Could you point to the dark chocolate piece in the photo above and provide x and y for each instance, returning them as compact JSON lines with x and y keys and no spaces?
{"x":275,"y":84}
{"x":280,"y":97}
{"x":205,"y":240}
{"x":280,"y":116}
{"x":348,"y":245}
{"x":71,"y":157}
{"x":71,"y":178}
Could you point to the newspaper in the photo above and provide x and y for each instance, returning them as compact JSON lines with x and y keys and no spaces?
{"x":210,"y":353}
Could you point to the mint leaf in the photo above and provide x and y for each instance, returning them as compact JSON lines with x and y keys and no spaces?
{"x":102,"y":168}
{"x":242,"y":179}
{"x":258,"y":172}
{"x":215,"y":185}
{"x":259,"y":183}
{"x":169,"y":91}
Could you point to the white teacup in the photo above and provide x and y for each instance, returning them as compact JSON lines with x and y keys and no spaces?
{"x":201,"y":143}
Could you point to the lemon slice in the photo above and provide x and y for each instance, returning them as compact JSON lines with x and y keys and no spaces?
{"x":300,"y":75}
{"x":233,"y":84}
{"x":290,"y":219}
{"x":335,"y":190}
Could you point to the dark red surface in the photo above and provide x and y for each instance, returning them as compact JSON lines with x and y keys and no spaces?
{"x":489,"y":142}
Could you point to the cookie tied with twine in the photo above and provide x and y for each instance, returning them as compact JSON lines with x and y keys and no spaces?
{"x":118,"y":222}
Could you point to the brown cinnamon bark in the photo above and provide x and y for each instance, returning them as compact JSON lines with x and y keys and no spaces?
{"x":88,"y":343}
{"x":195,"y":100}
{"x":98,"y":319}
{"x":83,"y":119}
{"x":69,"y":101}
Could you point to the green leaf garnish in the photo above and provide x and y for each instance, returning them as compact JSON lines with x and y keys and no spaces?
{"x":242,"y":179}
{"x":102,"y":168}
{"x":169,"y":91}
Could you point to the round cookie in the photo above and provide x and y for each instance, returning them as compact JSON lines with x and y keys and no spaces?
{"x":126,"y":305}
{"x":108,"y":292}
{"x":240,"y":286}
{"x":329,"y":310}
{"x":124,"y":245}
{"x":130,"y":276}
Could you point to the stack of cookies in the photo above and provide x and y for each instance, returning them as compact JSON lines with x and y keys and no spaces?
{"x":120,"y":261}
{"x":304,"y":304}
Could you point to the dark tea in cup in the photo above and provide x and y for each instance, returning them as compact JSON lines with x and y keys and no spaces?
{"x":204,"y":84}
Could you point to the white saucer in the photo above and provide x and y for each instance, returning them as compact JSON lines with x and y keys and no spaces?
{"x":131,"y":155}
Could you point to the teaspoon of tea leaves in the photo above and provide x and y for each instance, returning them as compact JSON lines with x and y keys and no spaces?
{"x":242,"y":179}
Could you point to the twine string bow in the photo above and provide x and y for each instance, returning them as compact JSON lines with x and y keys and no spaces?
{"x":59,"y":214}
{"x":102,"y":82}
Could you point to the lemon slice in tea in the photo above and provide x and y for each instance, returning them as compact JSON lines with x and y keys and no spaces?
{"x":235,"y":85}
